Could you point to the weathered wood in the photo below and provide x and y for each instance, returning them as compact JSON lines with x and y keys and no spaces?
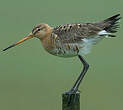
{"x":71,"y":101}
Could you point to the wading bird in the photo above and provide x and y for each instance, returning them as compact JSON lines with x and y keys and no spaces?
{"x":71,"y":40}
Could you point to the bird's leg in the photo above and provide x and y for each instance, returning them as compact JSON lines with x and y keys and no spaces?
{"x":73,"y":91}
{"x":75,"y":87}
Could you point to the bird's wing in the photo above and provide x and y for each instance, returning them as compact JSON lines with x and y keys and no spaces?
{"x":73,"y":33}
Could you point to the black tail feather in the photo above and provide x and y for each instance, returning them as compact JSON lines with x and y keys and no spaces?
{"x":111,"y":24}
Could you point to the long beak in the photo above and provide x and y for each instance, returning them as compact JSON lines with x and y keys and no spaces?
{"x":24,"y":39}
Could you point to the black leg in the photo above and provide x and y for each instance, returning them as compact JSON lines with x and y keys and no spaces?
{"x":78,"y":81}
{"x":74,"y":90}
{"x":75,"y":87}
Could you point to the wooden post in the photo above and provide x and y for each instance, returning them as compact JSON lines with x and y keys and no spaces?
{"x":71,"y":101}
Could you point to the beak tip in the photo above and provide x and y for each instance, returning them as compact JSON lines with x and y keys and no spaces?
{"x":9,"y":47}
{"x":3,"y":50}
{"x":26,"y":38}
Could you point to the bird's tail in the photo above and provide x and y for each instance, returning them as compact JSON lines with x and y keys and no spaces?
{"x":111,"y":25}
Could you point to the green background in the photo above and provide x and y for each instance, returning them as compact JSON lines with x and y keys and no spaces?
{"x":31,"y":79}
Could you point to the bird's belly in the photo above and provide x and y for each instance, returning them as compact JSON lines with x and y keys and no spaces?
{"x":73,"y":49}
{"x":65,"y":50}
{"x":63,"y":53}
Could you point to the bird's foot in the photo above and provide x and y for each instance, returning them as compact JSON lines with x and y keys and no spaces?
{"x":71,"y":96}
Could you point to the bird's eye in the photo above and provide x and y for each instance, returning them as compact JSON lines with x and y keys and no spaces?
{"x":38,"y":29}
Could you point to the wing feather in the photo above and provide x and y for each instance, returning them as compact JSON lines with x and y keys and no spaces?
{"x":73,"y":33}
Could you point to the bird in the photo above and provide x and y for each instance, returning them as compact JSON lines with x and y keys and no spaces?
{"x":70,"y":40}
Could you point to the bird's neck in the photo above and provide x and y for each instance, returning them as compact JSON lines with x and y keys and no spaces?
{"x":47,"y":42}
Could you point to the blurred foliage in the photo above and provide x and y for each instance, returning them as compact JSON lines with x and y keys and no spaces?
{"x":31,"y":79}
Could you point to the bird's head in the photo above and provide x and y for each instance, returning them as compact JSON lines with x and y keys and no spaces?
{"x":40,"y":31}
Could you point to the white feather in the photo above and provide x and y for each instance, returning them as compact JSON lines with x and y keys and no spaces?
{"x":104,"y":33}
{"x":88,"y":42}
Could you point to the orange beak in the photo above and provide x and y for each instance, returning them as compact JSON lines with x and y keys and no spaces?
{"x":24,"y":39}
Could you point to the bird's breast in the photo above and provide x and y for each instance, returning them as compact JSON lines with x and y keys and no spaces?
{"x":60,"y":49}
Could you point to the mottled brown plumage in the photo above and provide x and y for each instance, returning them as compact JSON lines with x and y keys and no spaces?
{"x":73,"y":40}
{"x":69,"y":39}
